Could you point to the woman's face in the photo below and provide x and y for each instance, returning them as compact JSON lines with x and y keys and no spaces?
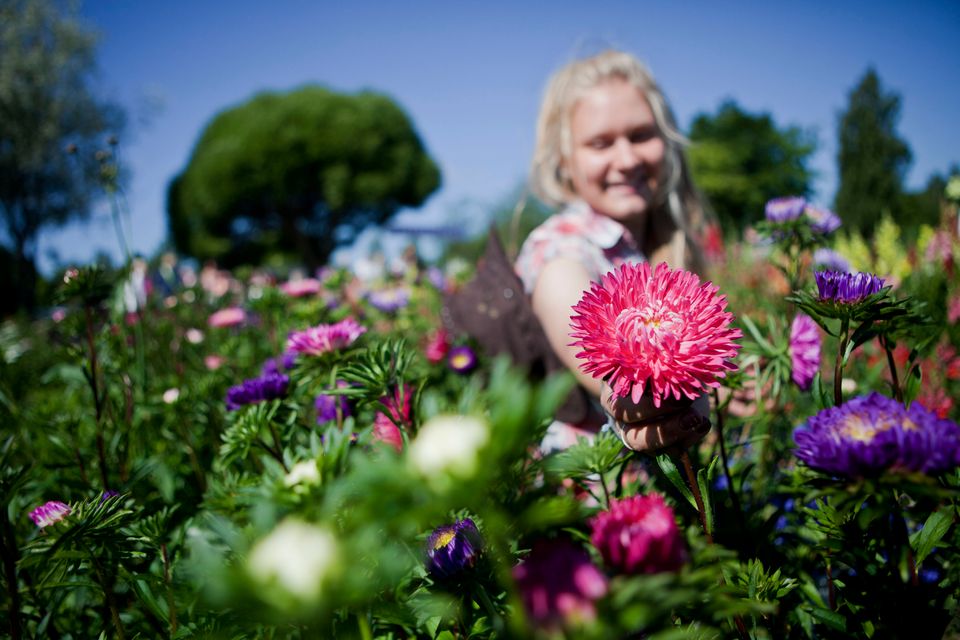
{"x":616,"y":161}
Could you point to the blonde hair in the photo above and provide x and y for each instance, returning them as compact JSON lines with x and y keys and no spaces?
{"x":669,"y":238}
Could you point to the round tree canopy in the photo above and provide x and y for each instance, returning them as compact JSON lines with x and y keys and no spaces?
{"x":297,"y":174}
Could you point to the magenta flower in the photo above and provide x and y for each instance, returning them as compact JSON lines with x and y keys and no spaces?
{"x":386,"y":431}
{"x":300,"y":288}
{"x":438,"y":346}
{"x":325,"y":338}
{"x":453,"y":548}
{"x":804,"y":350}
{"x":871,"y":434}
{"x":657,"y":331}
{"x":559,"y":584}
{"x":638,"y":535}
{"x":49,"y":513}
{"x":229,"y":317}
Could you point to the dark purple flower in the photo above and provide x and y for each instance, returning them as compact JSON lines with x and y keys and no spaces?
{"x":327,"y":404}
{"x":785,"y":208}
{"x":453,"y":548}
{"x":871,"y":434}
{"x":822,"y":220}
{"x":804,"y":350}
{"x":106,"y":495}
{"x":846,"y":288}
{"x":559,"y":583}
{"x":269,"y":386}
{"x":830,"y":260}
{"x":283,"y":362}
{"x":462,"y":359}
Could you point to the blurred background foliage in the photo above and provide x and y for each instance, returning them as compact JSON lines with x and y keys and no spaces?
{"x":294,"y":175}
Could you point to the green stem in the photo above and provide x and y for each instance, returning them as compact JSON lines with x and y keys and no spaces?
{"x":891,"y":363}
{"x":838,"y":368}
{"x":107,"y":588}
{"x":695,"y":488}
{"x":363,"y":626}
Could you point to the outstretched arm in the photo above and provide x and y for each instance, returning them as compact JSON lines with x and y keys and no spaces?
{"x":641,"y":426}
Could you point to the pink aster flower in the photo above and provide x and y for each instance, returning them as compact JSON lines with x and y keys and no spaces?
{"x":438,"y":346}
{"x":638,"y":535}
{"x":325,"y":338}
{"x":804,"y":350}
{"x":229,"y":317}
{"x":300,"y":288}
{"x":657,"y":331}
{"x":49,"y":513}
{"x":384,"y":430}
{"x":559,"y":584}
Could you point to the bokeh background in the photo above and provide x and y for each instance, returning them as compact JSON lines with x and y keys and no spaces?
{"x":470,"y":76}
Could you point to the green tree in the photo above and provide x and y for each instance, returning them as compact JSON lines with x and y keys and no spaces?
{"x":296,"y":174}
{"x":51,"y":125}
{"x":872,"y":159}
{"x":740,"y":160}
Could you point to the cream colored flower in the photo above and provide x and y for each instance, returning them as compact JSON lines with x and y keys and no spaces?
{"x":297,"y":557}
{"x":449,"y":444}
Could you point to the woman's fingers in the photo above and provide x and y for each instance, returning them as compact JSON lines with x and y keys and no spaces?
{"x":685,"y":428}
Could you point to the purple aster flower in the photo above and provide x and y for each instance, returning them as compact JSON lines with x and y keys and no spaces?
{"x":106,"y":495}
{"x":822,"y":220}
{"x":830,"y":260}
{"x":389,"y":300}
{"x":785,"y":208}
{"x":437,"y":279}
{"x":846,"y":288}
{"x":804,"y":350}
{"x":283,"y":362}
{"x":871,"y":434}
{"x":269,"y":386}
{"x":327,"y":404}
{"x":453,"y":548}
{"x":462,"y":359}
{"x":49,"y":513}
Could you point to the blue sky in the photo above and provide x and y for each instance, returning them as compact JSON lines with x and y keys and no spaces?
{"x":471,"y":74}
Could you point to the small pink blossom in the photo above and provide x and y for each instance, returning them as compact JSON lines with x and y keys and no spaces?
{"x":657,"y":331}
{"x":438,"y":346}
{"x":49,"y":513}
{"x":638,"y":535}
{"x":325,"y":338}
{"x":804,"y":350}
{"x":559,"y":584}
{"x":229,"y":317}
{"x":302,"y":287}
{"x":213,"y":362}
{"x":384,"y":430}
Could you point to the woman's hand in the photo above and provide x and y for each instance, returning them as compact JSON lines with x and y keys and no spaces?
{"x":644,"y":427}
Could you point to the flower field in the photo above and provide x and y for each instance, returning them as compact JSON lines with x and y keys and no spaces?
{"x":255,"y":455}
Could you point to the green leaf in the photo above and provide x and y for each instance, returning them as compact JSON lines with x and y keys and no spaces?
{"x":832,"y":619}
{"x":704,"y":477}
{"x":933,"y":531}
{"x":670,"y":470}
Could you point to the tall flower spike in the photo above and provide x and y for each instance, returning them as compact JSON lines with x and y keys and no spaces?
{"x":658,"y":329}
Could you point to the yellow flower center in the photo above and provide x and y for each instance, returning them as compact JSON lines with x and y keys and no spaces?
{"x":443,"y":540}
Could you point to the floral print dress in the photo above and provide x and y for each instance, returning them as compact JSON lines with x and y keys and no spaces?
{"x":600,"y":244}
